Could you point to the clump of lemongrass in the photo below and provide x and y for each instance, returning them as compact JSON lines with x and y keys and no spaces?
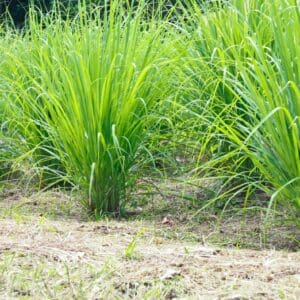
{"x":82,"y":94}
{"x":243,"y":88}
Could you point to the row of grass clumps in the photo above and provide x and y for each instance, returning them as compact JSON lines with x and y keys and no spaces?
{"x":93,"y":98}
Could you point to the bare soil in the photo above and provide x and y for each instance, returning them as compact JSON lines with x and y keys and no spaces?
{"x":50,"y":249}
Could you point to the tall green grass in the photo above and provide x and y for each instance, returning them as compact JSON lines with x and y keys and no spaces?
{"x":243,"y":70}
{"x":217,"y":86}
{"x":270,"y":86}
{"x":82,"y":93}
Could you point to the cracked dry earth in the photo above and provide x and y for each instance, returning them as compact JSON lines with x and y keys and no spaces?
{"x":43,"y":258}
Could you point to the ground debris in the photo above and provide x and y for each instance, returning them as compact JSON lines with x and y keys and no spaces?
{"x":65,"y":257}
{"x":169,"y":274}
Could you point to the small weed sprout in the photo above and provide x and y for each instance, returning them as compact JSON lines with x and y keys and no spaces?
{"x":130,"y":251}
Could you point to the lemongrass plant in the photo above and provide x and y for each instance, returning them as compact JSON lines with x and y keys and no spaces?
{"x":82,"y":93}
{"x":270,"y":87}
{"x":243,"y":72}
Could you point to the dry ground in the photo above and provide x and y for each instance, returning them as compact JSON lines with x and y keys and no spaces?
{"x":49,"y":249}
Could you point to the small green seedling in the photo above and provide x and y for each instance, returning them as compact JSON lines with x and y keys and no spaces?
{"x":130,"y":251}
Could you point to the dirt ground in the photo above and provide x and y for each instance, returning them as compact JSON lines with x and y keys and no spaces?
{"x":50,"y":249}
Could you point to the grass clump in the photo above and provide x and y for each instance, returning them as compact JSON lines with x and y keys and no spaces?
{"x":242,"y":95}
{"x":81,"y":94}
